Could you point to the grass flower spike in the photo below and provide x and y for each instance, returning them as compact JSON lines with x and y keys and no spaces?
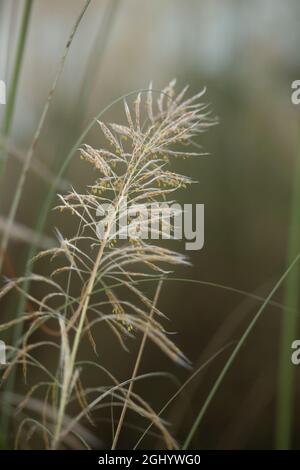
{"x":94,"y":280}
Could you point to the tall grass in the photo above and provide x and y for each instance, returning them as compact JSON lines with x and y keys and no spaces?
{"x":135,"y":168}
{"x":20,"y":187}
{"x":64,"y":385}
{"x":32,"y":148}
{"x":286,"y":379}
{"x":57,"y":181}
{"x":7,"y":126}
{"x":15,"y":78}
{"x":92,"y":76}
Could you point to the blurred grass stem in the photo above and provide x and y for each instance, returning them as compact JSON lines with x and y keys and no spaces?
{"x":233,"y":355}
{"x":136,"y":368}
{"x":285,"y":398}
{"x":31,"y":151}
{"x":16,"y":200}
{"x":14,"y":81}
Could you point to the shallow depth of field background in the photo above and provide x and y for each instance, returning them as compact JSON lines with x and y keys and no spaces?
{"x":247,"y":54}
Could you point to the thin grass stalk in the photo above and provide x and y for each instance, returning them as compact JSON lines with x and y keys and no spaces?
{"x":64,"y":395}
{"x":17,"y":330}
{"x":154,"y":279}
{"x":31,"y":151}
{"x":233,"y":355}
{"x":286,"y":379}
{"x":93,"y":66}
{"x":181,"y":388}
{"x":11,"y":100}
{"x":136,"y":368}
{"x":241,"y":292}
{"x":224,"y":332}
{"x":6,"y":130}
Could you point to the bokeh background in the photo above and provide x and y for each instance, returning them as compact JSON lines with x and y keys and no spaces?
{"x":247,"y":54}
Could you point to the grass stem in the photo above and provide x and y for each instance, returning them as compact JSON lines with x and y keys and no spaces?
{"x":233,"y":355}
{"x":14,"y":82}
{"x":17,"y":198}
{"x":136,"y":368}
{"x":10,"y":105}
{"x":31,"y":151}
{"x":285,"y":397}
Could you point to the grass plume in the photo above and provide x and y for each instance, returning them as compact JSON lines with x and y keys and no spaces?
{"x":79,"y":292}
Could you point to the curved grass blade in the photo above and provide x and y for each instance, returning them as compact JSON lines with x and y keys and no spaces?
{"x":233,"y":355}
{"x":12,"y":94}
{"x":30,"y":153}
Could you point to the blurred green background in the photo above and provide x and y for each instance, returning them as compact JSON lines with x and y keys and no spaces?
{"x":247,"y":54}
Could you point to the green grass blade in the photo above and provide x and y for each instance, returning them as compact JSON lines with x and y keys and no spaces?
{"x":30,"y":153}
{"x":182,"y":387}
{"x":233,"y":355}
{"x":14,"y":82}
{"x":285,"y":399}
{"x":93,"y":67}
{"x":17,"y":331}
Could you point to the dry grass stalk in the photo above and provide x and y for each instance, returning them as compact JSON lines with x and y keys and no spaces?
{"x":134,"y":167}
